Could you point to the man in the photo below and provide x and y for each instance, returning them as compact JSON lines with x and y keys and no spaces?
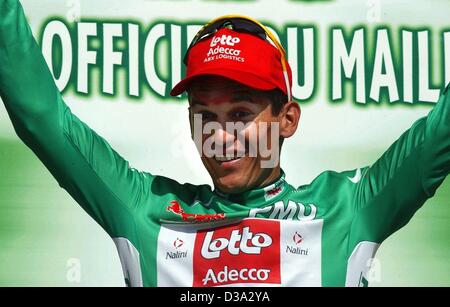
{"x":253,"y":228}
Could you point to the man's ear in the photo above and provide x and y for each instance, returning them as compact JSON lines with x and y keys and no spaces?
{"x":191,"y":121}
{"x":289,"y":119}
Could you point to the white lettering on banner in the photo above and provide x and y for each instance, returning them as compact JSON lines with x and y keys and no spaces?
{"x":86,"y":57}
{"x":111,"y":58}
{"x":383,"y":69}
{"x":74,"y":51}
{"x":133,"y":61}
{"x":348,"y":63}
{"x":226,"y":275}
{"x":447,"y":57}
{"x":236,"y":244}
{"x":156,"y":34}
{"x":305,"y":89}
{"x":57,"y":29}
{"x":425,"y":92}
{"x":175,"y":54}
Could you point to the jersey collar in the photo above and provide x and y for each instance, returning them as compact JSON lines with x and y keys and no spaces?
{"x":269,"y":193}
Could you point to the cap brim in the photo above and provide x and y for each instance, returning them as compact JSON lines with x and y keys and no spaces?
{"x":244,"y":78}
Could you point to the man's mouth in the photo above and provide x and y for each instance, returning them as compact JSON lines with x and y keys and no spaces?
{"x":226,"y":159}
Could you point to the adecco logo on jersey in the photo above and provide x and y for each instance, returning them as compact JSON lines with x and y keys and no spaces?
{"x":248,"y":252}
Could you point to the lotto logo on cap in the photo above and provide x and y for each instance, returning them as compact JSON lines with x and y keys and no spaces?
{"x":242,"y":57}
{"x":226,"y":40}
{"x":224,"y":47}
{"x":248,"y":252}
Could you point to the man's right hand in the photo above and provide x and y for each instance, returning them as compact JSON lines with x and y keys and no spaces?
{"x":14,"y":28}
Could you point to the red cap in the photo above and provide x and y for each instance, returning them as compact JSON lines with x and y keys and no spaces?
{"x":239,"y":56}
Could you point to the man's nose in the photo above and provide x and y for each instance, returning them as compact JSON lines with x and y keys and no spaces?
{"x":222,"y":137}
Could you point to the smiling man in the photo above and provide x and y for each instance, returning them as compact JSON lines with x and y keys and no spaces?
{"x":236,"y":163}
{"x":252,"y":227}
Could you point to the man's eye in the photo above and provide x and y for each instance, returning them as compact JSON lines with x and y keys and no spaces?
{"x":241,"y":114}
{"x":206,"y":116}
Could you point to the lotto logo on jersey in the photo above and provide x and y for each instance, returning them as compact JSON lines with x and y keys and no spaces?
{"x":239,"y":242}
{"x":248,"y":252}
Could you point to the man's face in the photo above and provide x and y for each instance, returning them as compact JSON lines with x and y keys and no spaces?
{"x":222,"y":101}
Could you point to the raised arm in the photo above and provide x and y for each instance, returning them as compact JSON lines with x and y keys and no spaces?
{"x":406,"y":175}
{"x":82,"y":162}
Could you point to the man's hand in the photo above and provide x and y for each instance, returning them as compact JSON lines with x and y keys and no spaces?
{"x":14,"y":29}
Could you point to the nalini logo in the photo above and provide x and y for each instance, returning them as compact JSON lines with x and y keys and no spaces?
{"x":297,"y":238}
{"x":297,"y":250}
{"x":178,"y":243}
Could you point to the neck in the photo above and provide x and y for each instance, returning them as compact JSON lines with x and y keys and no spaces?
{"x":265,"y":178}
{"x":268,"y":176}
{"x":268,"y":190}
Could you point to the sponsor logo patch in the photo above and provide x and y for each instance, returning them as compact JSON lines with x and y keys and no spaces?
{"x":249,"y":252}
{"x":176,"y":208}
{"x":297,"y":239}
{"x":224,"y":47}
{"x":178,"y":243}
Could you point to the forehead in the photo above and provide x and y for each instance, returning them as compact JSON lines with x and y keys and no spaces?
{"x":216,"y":89}
{"x":216,"y":82}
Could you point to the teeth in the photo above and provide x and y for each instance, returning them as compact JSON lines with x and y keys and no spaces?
{"x":225,"y":159}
